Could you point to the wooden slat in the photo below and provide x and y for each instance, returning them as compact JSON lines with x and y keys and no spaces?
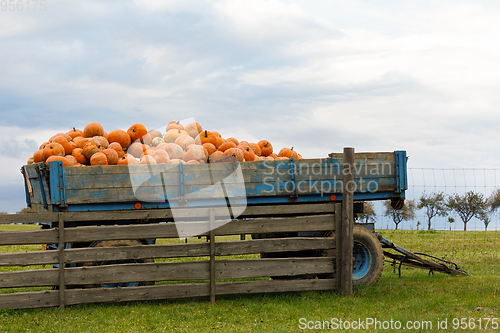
{"x":29,"y":218}
{"x":271,"y":225}
{"x":29,"y":278}
{"x":29,"y":237}
{"x":136,"y":252}
{"x":122,"y":273}
{"x":168,"y":230}
{"x":151,"y":214}
{"x":167,"y":251}
{"x":197,"y":270}
{"x":165,"y":230}
{"x":250,"y":268}
{"x":274,"y":286}
{"x":30,"y":300}
{"x":274,"y":245}
{"x":29,"y":258}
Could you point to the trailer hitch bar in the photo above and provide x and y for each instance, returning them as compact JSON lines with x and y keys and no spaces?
{"x":415,"y":259}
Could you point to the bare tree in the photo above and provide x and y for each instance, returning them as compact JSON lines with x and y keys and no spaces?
{"x":400,"y":215}
{"x":494,"y":200}
{"x":368,"y":214}
{"x":434,"y":204}
{"x":467,"y":206}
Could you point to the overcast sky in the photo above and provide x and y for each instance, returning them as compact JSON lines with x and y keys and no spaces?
{"x":421,"y":76}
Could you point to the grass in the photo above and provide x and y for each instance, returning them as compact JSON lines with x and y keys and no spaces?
{"x":416,"y":296}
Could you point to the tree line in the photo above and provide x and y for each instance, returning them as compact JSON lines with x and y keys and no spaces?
{"x":466,"y":207}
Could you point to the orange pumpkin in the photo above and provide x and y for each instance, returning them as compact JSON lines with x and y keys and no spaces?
{"x":184,"y":141}
{"x":136,"y":149}
{"x":174,"y":125}
{"x":38,"y":156}
{"x":136,"y":132}
{"x":66,"y":136}
{"x":118,"y":148}
{"x":173,"y":134}
{"x":101,"y":141}
{"x":256,"y":149}
{"x":98,"y":159}
{"x":174,"y":150}
{"x":127,"y":159}
{"x":71,"y":159}
{"x":194,"y":152}
{"x":161,"y":156}
{"x":53,"y":149}
{"x":208,"y":137}
{"x":193,"y":129}
{"x":58,"y":158}
{"x":219,"y":141}
{"x":210,"y":148}
{"x":93,"y":129}
{"x":80,"y":141}
{"x":111,"y":156}
{"x":248,"y":154}
{"x":236,"y":142}
{"x":288,"y":153}
{"x":155,"y":134}
{"x":237,"y":152}
{"x":68,"y":148}
{"x":226,"y":145}
{"x":43,"y":145}
{"x":74,"y":133}
{"x":80,"y":157}
{"x":266,"y":147}
{"x":217,"y":156}
{"x":91,"y":148}
{"x":121,"y":137}
{"x":147,"y":159}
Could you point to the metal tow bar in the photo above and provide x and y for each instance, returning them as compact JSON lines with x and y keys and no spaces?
{"x":414,"y":259}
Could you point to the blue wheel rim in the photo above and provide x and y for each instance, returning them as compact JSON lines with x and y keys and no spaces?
{"x":362,"y":261}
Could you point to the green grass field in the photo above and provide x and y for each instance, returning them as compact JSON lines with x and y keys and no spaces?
{"x":417,"y":298}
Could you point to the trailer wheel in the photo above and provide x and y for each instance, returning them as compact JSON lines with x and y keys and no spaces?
{"x":368,"y":257}
{"x":118,"y":243}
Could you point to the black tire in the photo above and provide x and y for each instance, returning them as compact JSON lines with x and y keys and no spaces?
{"x":368,"y":257}
{"x":119,"y":243}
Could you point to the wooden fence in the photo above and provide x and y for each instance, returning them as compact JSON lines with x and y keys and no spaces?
{"x":219,"y":276}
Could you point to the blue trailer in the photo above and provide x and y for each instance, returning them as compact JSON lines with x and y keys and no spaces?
{"x":377,"y":176}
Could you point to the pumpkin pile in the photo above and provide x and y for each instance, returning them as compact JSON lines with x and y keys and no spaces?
{"x":180,"y":144}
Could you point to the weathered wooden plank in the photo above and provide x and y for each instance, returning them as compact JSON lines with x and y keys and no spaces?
{"x":152,"y":214}
{"x":29,"y":237}
{"x":197,"y":270}
{"x":77,"y":255}
{"x":250,"y":268}
{"x":165,"y":230}
{"x":136,"y":252}
{"x":146,"y":293}
{"x":168,"y":230}
{"x":29,"y":218}
{"x":173,"y":271}
{"x":346,"y":230}
{"x":29,"y":258}
{"x":30,"y":300}
{"x":274,"y":286}
{"x":274,"y":245}
{"x":29,"y":278}
{"x":271,"y":225}
{"x":62,"y":285}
